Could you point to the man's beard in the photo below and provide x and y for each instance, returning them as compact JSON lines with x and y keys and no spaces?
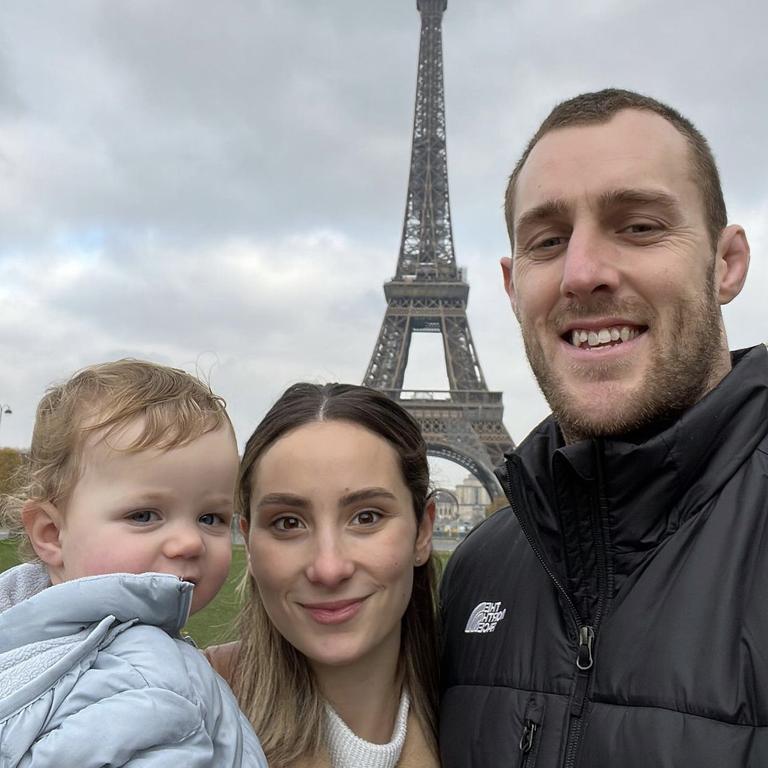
{"x":683,"y":368}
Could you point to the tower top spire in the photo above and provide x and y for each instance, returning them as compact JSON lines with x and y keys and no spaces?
{"x":431,"y":5}
{"x":426,"y":248}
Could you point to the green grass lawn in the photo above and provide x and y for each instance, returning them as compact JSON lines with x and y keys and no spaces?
{"x":215,"y":623}
{"x":7,"y":554}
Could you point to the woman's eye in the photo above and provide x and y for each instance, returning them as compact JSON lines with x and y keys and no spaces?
{"x":288,"y":523}
{"x":367,"y":517}
{"x":143,"y":516}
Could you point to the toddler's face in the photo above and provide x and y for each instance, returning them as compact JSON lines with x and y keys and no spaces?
{"x":167,"y":511}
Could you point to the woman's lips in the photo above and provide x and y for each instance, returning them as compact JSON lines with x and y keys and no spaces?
{"x":336,"y":612}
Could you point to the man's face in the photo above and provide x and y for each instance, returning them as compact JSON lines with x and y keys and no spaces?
{"x":613,"y":277}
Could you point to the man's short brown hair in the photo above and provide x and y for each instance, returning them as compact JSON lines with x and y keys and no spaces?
{"x":599,"y":107}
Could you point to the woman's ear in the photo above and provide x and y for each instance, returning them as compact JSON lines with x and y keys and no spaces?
{"x":42,"y":522}
{"x":423,"y":547}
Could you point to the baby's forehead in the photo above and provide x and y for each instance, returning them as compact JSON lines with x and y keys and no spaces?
{"x":121,"y":436}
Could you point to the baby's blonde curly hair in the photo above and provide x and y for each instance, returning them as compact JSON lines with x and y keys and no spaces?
{"x":175,"y":408}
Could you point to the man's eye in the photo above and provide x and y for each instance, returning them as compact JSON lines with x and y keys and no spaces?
{"x":367,"y":517}
{"x":288,"y":523}
{"x":640,"y":228}
{"x":549,"y":242}
{"x":143,"y":516}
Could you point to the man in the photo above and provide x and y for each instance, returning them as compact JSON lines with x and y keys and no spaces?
{"x":617,"y":613}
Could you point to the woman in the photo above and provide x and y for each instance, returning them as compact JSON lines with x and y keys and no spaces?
{"x":337,"y":662}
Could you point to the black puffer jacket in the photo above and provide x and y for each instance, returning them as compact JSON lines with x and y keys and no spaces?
{"x":617,"y":615}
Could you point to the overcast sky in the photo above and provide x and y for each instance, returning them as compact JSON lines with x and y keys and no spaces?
{"x":220,"y":186}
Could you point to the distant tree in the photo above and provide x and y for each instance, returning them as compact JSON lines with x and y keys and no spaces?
{"x":497,"y":503}
{"x":10,"y":462}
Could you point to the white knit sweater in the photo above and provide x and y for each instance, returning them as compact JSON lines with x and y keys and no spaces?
{"x":348,"y":750}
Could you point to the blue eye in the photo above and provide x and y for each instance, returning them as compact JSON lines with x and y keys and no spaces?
{"x":143,"y":516}
{"x":213,"y":519}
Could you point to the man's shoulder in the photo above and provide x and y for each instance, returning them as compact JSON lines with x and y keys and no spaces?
{"x":489,"y":542}
{"x":496,"y":530}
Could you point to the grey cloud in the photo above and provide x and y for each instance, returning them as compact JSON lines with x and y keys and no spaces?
{"x":152,"y":138}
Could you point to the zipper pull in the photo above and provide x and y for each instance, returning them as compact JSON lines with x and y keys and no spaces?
{"x":526,"y":740}
{"x":586,"y":638}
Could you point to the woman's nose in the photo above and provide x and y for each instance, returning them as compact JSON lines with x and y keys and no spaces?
{"x":330,"y":563}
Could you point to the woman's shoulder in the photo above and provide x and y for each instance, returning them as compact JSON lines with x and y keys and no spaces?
{"x":223,"y":658}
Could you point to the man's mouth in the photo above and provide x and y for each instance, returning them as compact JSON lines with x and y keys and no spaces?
{"x":595,"y":338}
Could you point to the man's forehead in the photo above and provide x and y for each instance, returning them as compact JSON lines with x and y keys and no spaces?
{"x":635,"y":148}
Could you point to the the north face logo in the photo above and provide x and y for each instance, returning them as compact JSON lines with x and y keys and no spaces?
{"x":485,"y":617}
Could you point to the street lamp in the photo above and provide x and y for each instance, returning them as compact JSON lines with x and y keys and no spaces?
{"x":4,"y":409}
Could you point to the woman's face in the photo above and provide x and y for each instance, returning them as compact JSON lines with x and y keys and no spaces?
{"x":333,"y":541}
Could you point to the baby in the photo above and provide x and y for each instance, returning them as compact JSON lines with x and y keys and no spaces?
{"x":126,"y":515}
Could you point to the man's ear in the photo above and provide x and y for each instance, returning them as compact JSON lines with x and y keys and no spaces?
{"x":509,"y":285}
{"x":423,"y":548}
{"x":731,"y":263}
{"x":42,"y":522}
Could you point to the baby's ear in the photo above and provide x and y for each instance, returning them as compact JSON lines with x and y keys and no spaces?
{"x":42,"y":522}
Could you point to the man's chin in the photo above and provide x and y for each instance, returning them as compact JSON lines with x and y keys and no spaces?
{"x":599,"y":409}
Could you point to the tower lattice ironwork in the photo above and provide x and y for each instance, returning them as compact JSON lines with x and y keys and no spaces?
{"x":429,"y":293}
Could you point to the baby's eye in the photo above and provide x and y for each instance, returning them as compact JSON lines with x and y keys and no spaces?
{"x":213,"y":518}
{"x":143,"y":516}
{"x":367,"y":517}
{"x":288,"y":523}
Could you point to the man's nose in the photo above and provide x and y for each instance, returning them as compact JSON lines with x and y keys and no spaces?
{"x":330,"y":562}
{"x":184,"y":541}
{"x":590,"y":265}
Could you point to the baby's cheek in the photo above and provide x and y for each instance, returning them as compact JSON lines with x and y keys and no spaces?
{"x":112,"y":559}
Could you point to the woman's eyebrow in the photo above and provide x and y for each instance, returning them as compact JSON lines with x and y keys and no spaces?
{"x":364,"y":494}
{"x":283,"y":500}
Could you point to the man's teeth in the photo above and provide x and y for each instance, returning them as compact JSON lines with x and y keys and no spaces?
{"x":603,"y":336}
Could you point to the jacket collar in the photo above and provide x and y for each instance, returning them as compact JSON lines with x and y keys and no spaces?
{"x":681,"y":464}
{"x":36,"y":614}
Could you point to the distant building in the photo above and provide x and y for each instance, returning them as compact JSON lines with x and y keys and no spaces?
{"x":473,"y":499}
{"x":446,"y":507}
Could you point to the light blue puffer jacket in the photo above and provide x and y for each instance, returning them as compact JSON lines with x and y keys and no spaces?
{"x":93,"y":673}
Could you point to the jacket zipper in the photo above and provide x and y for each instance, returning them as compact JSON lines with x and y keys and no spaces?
{"x":584,"y":632}
{"x":533,"y":720}
{"x":529,"y":744}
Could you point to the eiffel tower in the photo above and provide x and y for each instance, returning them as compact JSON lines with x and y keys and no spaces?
{"x":429,"y":294}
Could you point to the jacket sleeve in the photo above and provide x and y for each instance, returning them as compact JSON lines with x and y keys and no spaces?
{"x":146,"y":728}
{"x":226,"y":724}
